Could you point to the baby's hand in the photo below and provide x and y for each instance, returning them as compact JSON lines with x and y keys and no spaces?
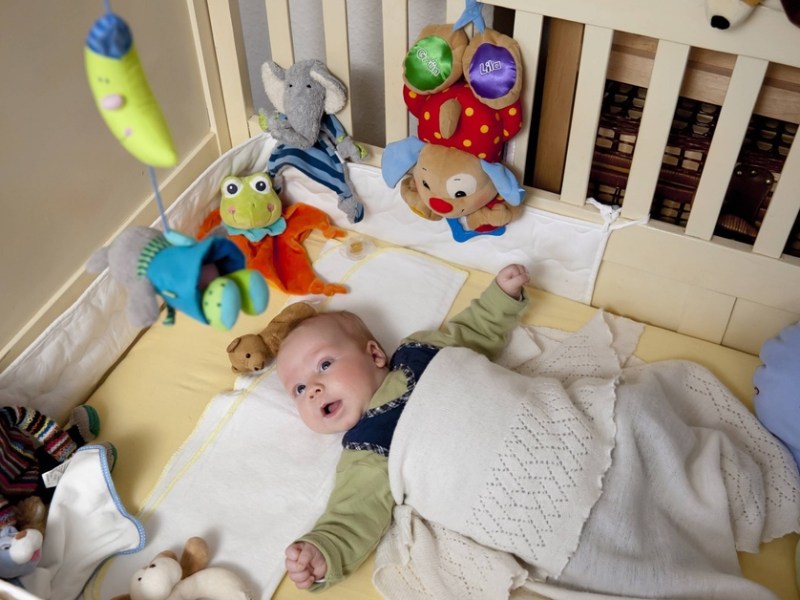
{"x":305,"y":564}
{"x":511,"y":279}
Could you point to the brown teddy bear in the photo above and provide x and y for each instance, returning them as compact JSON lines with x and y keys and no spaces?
{"x":252,"y":352}
{"x":187,"y":578}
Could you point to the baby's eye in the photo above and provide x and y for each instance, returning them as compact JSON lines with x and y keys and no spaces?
{"x":325,"y":364}
{"x":299,"y":389}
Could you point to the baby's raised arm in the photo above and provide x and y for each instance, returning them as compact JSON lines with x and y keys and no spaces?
{"x":512,"y":278}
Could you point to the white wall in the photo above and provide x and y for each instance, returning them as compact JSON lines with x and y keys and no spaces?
{"x":67,"y":184}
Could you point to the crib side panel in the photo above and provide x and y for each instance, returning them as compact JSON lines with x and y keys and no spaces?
{"x":682,"y":275}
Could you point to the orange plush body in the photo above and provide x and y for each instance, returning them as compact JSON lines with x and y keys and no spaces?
{"x":282,"y":259}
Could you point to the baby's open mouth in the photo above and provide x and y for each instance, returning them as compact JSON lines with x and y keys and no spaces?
{"x":331,"y":408}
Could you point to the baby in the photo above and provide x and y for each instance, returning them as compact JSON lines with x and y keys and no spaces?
{"x":342,"y":381}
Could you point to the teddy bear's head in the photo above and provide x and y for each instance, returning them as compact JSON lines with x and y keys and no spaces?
{"x":248,"y":353}
{"x":251,"y":352}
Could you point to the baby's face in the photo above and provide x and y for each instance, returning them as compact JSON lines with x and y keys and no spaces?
{"x":330,"y":375}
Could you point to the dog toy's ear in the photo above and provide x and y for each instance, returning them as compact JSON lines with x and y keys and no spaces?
{"x":434,"y":62}
{"x":504,"y":182}
{"x":398,"y":159}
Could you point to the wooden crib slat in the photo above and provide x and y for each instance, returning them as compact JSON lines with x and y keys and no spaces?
{"x":659,"y":108}
{"x":337,"y":51}
{"x":226,"y":27}
{"x":743,"y":90}
{"x":528,"y":34}
{"x":783,"y":208}
{"x":586,"y":113}
{"x":681,"y":21}
{"x":206,"y":55}
{"x":395,"y":46}
{"x":280,"y":32}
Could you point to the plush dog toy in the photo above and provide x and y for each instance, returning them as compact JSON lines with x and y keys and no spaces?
{"x":206,"y":280}
{"x":306,"y":96}
{"x":31,"y":444}
{"x":465,"y":95}
{"x":252,"y":352}
{"x":168,"y":578}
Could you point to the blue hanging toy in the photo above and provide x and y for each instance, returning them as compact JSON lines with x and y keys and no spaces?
{"x":205,"y":280}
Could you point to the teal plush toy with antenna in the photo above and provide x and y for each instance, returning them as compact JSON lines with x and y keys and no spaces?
{"x":206,"y":280}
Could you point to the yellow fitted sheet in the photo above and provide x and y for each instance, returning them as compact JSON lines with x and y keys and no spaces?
{"x":152,"y":399}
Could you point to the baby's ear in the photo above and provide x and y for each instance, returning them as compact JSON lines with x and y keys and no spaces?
{"x":377,"y":354}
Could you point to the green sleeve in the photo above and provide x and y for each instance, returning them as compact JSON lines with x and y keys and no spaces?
{"x":483,"y":326}
{"x":354,"y":521}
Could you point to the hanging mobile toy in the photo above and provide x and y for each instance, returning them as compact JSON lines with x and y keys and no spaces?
{"x":122,"y":93}
{"x":206,"y":280}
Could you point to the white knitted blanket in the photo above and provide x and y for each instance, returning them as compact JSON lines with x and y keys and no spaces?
{"x":602,"y":478}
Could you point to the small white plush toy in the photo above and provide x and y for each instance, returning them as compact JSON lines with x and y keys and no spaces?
{"x":167,"y":578}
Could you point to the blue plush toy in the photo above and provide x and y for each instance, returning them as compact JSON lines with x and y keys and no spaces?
{"x":206,"y":280}
{"x":777,"y":395}
{"x":777,"y":388}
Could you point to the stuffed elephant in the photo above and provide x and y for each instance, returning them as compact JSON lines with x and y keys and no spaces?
{"x":306,"y":95}
{"x":205,"y":280}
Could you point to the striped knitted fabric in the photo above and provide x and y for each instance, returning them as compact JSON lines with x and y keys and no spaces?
{"x":31,"y":443}
{"x":147,"y":254}
{"x":320,"y":162}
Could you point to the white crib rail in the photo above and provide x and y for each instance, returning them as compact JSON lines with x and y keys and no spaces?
{"x":685,"y":279}
{"x":665,"y":85}
{"x":586,"y":112}
{"x":743,"y":90}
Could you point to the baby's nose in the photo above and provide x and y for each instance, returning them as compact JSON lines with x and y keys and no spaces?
{"x":315,"y":388}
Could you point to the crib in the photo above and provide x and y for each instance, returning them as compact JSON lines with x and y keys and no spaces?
{"x":604,"y":154}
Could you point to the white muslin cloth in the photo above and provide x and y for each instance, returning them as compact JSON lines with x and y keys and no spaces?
{"x":86,"y":524}
{"x":251,"y":478}
{"x":693,"y":477}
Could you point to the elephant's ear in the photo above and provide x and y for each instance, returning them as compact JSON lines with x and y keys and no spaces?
{"x":335,"y":91}
{"x":274,"y":78}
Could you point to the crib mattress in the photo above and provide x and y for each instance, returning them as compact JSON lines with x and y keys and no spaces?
{"x":153,"y":398}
